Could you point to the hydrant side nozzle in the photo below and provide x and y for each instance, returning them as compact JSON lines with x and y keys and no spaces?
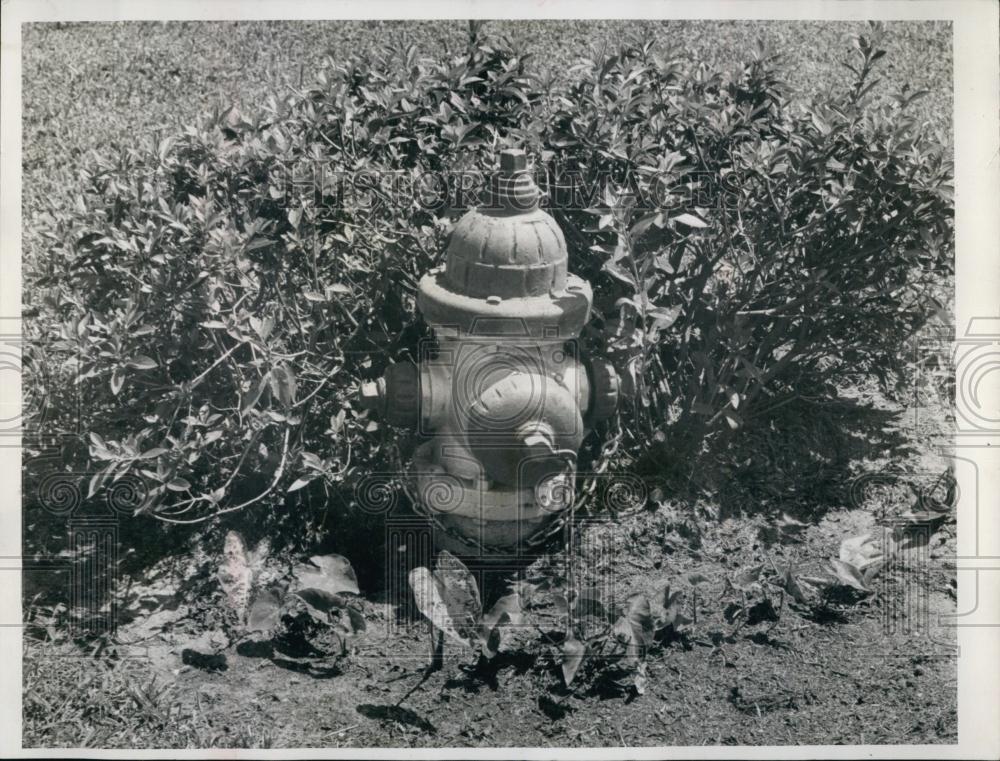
{"x":604,"y":390}
{"x":395,"y":397}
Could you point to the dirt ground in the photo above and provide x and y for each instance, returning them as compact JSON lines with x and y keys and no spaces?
{"x":846,"y":680}
{"x":844,"y":669}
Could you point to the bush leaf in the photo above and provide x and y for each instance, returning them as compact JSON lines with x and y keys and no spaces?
{"x":690,"y":220}
{"x":142,"y":362}
{"x":283,"y":385}
{"x":253,"y":395}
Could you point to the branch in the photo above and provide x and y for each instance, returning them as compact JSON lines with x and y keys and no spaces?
{"x":274,"y":482}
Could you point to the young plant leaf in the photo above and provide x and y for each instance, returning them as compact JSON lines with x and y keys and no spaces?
{"x":640,"y":678}
{"x":430,"y":602}
{"x":265,"y":611}
{"x":329,"y":573}
{"x":791,"y":585}
{"x":321,"y":600}
{"x":296,"y":604}
{"x":509,"y":606}
{"x":573,"y":652}
{"x":666,"y":611}
{"x":849,"y":575}
{"x":589,"y":604}
{"x":460,"y":593}
{"x":235,"y":575}
{"x":334,"y":610}
{"x":747,"y":578}
{"x":490,"y":633}
{"x":640,"y":620}
{"x":860,"y":551}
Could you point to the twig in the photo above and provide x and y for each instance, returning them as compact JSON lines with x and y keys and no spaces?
{"x":215,"y":364}
{"x":437,"y":648}
{"x":437,"y":660}
{"x":344,"y":729}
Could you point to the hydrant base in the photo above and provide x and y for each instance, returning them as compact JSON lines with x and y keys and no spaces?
{"x":495,"y":518}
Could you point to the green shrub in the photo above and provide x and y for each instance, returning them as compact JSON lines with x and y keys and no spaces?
{"x":216,"y":311}
{"x":805,"y":243}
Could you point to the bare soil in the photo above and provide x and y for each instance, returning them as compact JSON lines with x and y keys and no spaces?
{"x":845,"y":669}
{"x":849,"y":679}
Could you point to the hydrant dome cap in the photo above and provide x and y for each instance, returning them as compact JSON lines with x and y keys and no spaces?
{"x":508,"y":248}
{"x":508,"y":256}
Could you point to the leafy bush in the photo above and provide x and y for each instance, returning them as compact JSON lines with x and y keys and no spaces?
{"x":216,"y":304}
{"x":799,"y":246}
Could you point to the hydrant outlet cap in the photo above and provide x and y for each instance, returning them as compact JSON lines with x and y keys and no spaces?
{"x":402,"y":394}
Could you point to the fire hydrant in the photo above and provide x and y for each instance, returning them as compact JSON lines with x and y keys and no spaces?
{"x":503,"y":397}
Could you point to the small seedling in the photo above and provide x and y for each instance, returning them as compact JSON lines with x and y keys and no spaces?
{"x":623,"y":636}
{"x":449,"y":599}
{"x":321,"y":592}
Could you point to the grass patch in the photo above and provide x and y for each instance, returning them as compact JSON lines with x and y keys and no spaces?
{"x":75,"y":700}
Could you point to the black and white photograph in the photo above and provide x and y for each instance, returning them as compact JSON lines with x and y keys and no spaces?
{"x":500,"y":379}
